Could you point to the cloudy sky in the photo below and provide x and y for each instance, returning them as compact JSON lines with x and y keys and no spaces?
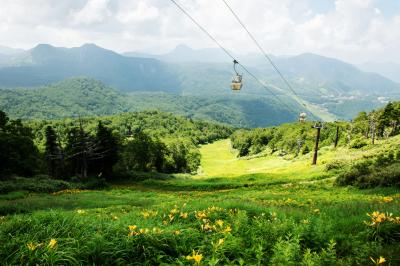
{"x":353,"y":30}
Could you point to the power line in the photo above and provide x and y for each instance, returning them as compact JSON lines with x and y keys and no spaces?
{"x":261,"y":49}
{"x":229,"y":54}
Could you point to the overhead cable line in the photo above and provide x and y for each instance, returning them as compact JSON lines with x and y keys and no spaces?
{"x":261,"y":49}
{"x":228,"y":53}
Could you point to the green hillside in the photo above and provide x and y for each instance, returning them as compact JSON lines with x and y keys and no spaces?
{"x":87,"y":97}
{"x":69,"y":98}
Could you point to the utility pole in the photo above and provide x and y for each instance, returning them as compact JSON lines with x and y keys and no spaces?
{"x":337,"y":135}
{"x":299,"y":144}
{"x":372,"y":126}
{"x":349,"y":131}
{"x":318,"y":127}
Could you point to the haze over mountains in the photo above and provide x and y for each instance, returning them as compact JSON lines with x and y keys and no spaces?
{"x":327,"y":87}
{"x":387,"y":69}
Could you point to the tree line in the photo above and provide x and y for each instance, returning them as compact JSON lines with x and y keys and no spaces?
{"x":299,"y":138}
{"x":106,"y":147}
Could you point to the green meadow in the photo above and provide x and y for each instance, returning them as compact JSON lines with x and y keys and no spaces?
{"x":260,"y":210}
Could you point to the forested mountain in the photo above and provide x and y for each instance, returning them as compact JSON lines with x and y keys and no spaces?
{"x":84,"y":96}
{"x":45,"y":64}
{"x":193,"y":83}
{"x":68,"y":98}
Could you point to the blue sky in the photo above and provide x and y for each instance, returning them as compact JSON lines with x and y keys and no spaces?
{"x":389,"y":8}
{"x":322,"y":6}
{"x":352,"y":30}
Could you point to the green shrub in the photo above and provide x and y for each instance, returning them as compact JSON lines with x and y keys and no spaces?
{"x":335,"y":165}
{"x":286,"y":252}
{"x":368,"y":174}
{"x":384,"y":159}
{"x":39,"y":184}
{"x":358,"y":143}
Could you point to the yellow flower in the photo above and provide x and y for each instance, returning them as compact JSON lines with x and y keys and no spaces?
{"x":68,"y":191}
{"x":113,"y":217}
{"x":219,"y":222}
{"x":32,"y":246}
{"x":157,"y":230}
{"x":184,"y":215}
{"x":200,"y":215}
{"x":387,"y":199}
{"x":52,"y":244}
{"x":177,"y":232}
{"x":377,"y":218}
{"x":379,"y":261}
{"x":144,"y":231}
{"x":147,"y":214}
{"x":227,"y":229}
{"x":214,"y":209}
{"x":207,"y":227}
{"x":196,"y":257}
{"x":174,"y":211}
{"x":218,"y":243}
{"x":132,"y":227}
{"x":80,"y":211}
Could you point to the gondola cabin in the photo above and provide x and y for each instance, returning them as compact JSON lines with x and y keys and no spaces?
{"x":236,"y":83}
{"x":302,"y":117}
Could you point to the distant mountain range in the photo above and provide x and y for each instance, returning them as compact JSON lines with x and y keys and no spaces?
{"x":46,"y":64}
{"x":325,"y":87}
{"x":4,"y":50}
{"x":389,"y":70}
{"x":307,"y":71}
{"x":183,"y":53}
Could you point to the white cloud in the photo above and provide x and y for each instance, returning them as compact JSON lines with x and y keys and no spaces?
{"x":94,"y":11}
{"x":354,"y":30}
{"x":139,"y":12}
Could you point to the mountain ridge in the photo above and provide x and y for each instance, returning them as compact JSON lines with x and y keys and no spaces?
{"x":324,"y":86}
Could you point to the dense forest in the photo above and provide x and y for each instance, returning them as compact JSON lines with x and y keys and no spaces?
{"x":104,"y":147}
{"x":299,"y":138}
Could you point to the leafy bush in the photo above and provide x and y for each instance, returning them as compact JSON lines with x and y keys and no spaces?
{"x":358,"y":143}
{"x":38,"y":184}
{"x":383,"y":171}
{"x":335,"y":165}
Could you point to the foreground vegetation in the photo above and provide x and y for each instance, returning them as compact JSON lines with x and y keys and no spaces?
{"x":244,"y":211}
{"x":254,"y":200}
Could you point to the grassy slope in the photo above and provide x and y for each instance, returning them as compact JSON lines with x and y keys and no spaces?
{"x":302,"y":196}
